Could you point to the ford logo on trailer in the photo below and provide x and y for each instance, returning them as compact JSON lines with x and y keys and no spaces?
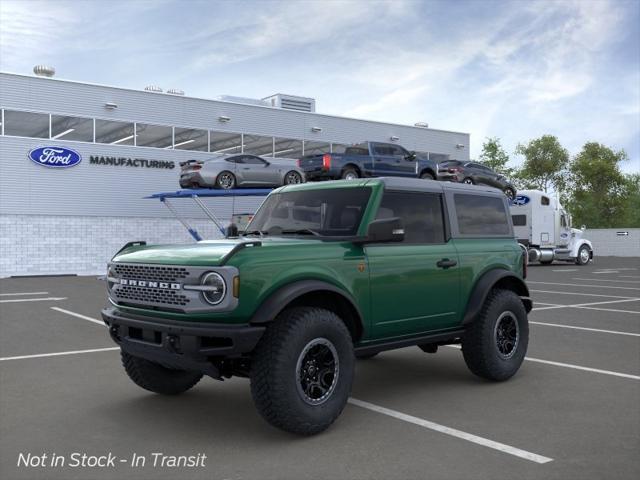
{"x":521,"y":200}
{"x":55,"y":157}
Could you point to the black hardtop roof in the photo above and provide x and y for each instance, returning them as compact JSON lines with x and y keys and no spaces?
{"x":421,"y":185}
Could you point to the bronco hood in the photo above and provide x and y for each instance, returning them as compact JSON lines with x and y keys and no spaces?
{"x":204,"y":253}
{"x":209,"y":253}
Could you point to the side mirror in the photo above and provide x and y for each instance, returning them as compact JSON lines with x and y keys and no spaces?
{"x":411,"y":156}
{"x":232,"y":231}
{"x":385,"y":230}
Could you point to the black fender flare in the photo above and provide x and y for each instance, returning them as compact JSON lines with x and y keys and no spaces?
{"x":486,"y":282}
{"x":278,"y":300}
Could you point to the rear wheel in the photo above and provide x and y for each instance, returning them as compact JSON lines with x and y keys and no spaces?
{"x":496,"y":342}
{"x":302,"y":370}
{"x":584,"y":255}
{"x":157,"y":378}
{"x":292,"y":178}
{"x":350,"y":173}
{"x":427,"y":176}
{"x":226,"y":180}
{"x":468,"y":181}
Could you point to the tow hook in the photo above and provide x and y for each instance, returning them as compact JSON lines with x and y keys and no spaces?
{"x":115,"y":334}
{"x":173,"y":343}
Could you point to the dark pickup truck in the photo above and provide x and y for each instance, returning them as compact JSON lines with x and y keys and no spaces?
{"x":368,"y":159}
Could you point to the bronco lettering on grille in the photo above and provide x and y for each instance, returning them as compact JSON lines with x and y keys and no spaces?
{"x":148,"y":284}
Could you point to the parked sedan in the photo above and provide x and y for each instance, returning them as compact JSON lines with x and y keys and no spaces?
{"x":474,"y":173}
{"x":243,"y":170}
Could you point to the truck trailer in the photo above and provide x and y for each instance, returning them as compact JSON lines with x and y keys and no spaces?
{"x":544,"y":228}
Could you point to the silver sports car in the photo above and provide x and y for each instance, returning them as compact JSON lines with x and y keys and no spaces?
{"x":242,"y":170}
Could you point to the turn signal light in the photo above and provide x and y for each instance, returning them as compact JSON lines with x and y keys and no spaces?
{"x":326,"y":161}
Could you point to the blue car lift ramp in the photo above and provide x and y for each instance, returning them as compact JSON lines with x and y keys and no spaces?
{"x":196,"y":194}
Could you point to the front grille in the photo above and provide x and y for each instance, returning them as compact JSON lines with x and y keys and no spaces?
{"x":160,"y":296}
{"x":152,"y":273}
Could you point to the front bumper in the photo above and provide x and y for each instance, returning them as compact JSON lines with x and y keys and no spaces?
{"x":182,"y":345}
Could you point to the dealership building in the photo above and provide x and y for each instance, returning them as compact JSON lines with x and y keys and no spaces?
{"x":127,"y":145}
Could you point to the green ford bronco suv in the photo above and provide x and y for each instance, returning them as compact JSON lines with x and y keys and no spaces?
{"x":325,"y":273}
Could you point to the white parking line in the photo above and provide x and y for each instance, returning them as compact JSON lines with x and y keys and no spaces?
{"x":586,"y":369}
{"x":579,"y":294}
{"x":607,"y":280}
{"x":74,"y":314}
{"x":485,"y":442}
{"x":629,"y":276}
{"x":606,"y":271}
{"x":597,"y":330}
{"x":610,"y":310}
{"x":57,"y":354}
{"x":588,"y":286}
{"x":23,"y":293}
{"x":48,"y":299}
{"x":570,"y":365}
{"x":586,"y":305}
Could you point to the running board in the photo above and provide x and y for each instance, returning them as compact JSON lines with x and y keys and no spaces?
{"x":450,"y":336}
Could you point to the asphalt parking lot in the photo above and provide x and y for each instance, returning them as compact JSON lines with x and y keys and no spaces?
{"x":573,"y":410}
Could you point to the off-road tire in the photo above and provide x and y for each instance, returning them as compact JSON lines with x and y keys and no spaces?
{"x":427,"y":176}
{"x":579,"y":260}
{"x":274,"y":379}
{"x":349,"y":173}
{"x":479,"y":345}
{"x":156,"y":378}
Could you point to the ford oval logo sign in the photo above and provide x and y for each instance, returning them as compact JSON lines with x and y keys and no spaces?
{"x":521,"y":200}
{"x":55,"y":157}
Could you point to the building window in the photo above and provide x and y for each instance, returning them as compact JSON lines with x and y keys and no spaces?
{"x":71,"y":128}
{"x":316,"y":148}
{"x":480,"y":215}
{"x":338,"y":147}
{"x":258,"y":145}
{"x":191,"y":139}
{"x":287,"y":148}
{"x":225,"y":143}
{"x":157,"y":136}
{"x":115,"y":133}
{"x":26,"y":124}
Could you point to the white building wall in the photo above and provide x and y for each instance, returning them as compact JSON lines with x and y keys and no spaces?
{"x":612,"y":242}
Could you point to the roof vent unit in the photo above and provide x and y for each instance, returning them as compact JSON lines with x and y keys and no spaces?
{"x":292,"y":102}
{"x":44,"y":71}
{"x":175,"y":91}
{"x":246,"y":101}
{"x":153,"y":88}
{"x":421,"y":124}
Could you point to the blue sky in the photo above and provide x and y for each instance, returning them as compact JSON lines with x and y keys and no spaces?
{"x":515,"y":70}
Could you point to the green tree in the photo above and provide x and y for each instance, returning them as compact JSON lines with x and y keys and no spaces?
{"x":545,"y":164}
{"x":495,"y":157}
{"x":631,"y":215}
{"x":598,"y":191}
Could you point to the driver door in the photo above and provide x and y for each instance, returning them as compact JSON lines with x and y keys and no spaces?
{"x":411,"y":291}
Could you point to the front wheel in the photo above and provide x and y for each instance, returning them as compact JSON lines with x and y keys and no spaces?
{"x":584,"y":255}
{"x":496,"y":342}
{"x":427,"y":176}
{"x":468,"y":181}
{"x":226,"y":180}
{"x":302,"y":370}
{"x":157,"y":378}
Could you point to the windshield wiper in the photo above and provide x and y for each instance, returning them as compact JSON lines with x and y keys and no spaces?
{"x":302,"y":231}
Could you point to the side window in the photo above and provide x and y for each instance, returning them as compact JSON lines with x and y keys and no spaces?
{"x":253,"y":160}
{"x":235,"y":160}
{"x":397,"y":151}
{"x":519,"y":220}
{"x":481,"y":215}
{"x":544,"y":200}
{"x":421,"y":215}
{"x":382,"y":150}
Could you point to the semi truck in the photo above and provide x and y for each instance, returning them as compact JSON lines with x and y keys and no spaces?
{"x":544,"y":228}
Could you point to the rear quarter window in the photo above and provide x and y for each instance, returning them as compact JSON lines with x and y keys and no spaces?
{"x":481,"y":215}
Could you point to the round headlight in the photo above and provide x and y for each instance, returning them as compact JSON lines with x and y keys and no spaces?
{"x":216,"y":288}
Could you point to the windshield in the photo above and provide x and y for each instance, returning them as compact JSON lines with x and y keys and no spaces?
{"x":325,"y":212}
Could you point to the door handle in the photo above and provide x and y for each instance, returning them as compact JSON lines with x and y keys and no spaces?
{"x":446,"y":263}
